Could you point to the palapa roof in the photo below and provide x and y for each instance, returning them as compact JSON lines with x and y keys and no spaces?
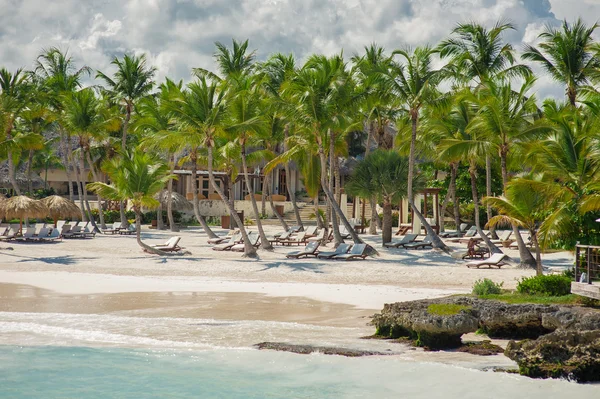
{"x":21,"y":207}
{"x":178,"y":201}
{"x":60,"y":207}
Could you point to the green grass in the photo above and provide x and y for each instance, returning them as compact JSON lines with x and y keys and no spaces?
{"x":446,"y":309}
{"x":516,"y":298}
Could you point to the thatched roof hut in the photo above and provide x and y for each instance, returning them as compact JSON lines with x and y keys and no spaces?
{"x":21,"y":207}
{"x":179,"y":202}
{"x":59,"y":207}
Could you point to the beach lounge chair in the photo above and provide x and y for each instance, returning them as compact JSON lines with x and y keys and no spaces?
{"x":309,"y":250}
{"x":300,"y":238}
{"x":419,"y":244}
{"x":344,"y":232}
{"x":114,"y":229}
{"x":235,"y":239}
{"x":503,"y":236}
{"x":9,"y":234}
{"x":221,"y":239}
{"x":405,"y":240}
{"x":54,"y":235}
{"x":254,"y":239}
{"x":340,"y":250}
{"x":66,"y":228}
{"x":128,"y":231}
{"x":29,"y":235}
{"x":311,"y":231}
{"x":357,"y":251}
{"x":74,"y":232}
{"x":468,"y":234}
{"x":170,"y":245}
{"x":281,"y":236}
{"x":457,"y":233}
{"x":44,"y":231}
{"x":496,"y":260}
{"x":319,"y":236}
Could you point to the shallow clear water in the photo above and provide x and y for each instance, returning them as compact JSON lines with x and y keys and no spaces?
{"x":79,"y":372}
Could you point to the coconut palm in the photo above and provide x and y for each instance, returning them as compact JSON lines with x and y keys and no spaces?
{"x":244,"y":123}
{"x":415,"y":83}
{"x":567,"y":54}
{"x":382,"y":174}
{"x":132,"y":81}
{"x":521,"y":207}
{"x":59,"y":75}
{"x":479,"y":54}
{"x":136,"y":176}
{"x":13,"y":100}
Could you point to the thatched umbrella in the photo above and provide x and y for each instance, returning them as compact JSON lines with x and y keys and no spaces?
{"x":178,"y":201}
{"x":22,"y":207}
{"x":60,"y":207}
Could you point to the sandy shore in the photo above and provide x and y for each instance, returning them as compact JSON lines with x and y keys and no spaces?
{"x":113,"y":291}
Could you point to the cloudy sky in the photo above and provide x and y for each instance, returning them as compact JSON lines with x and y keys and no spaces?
{"x":178,"y":35}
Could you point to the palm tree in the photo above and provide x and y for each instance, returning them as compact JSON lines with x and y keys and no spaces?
{"x":521,"y":207}
{"x":59,"y":76}
{"x":136,"y":176}
{"x":314,"y":97}
{"x":382,"y":174}
{"x":13,"y":100}
{"x":132,"y":81}
{"x":479,"y":54}
{"x":244,"y":123}
{"x":567,"y":54}
{"x":415,"y":83}
{"x":46,"y":158}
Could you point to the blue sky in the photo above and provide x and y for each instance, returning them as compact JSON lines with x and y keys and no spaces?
{"x":178,"y":35}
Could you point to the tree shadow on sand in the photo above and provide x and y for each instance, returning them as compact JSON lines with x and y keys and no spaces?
{"x":295,"y":266}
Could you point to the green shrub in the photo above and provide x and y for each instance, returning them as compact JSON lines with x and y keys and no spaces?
{"x":487,"y":287}
{"x":552,"y":285}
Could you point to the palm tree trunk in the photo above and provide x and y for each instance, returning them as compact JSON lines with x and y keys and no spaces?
{"x":329,"y":194}
{"x":386,"y":231}
{"x":11,"y":172}
{"x":138,"y":236}
{"x":84,"y":190}
{"x":29,"y":165}
{"x":159,"y":218}
{"x":435,"y":239}
{"x":373,"y":200}
{"x":445,"y":205}
{"x":263,"y":197}
{"x":538,"y":253}
{"x":320,"y":223}
{"x":265,"y":244}
{"x":95,"y":176}
{"x":65,"y":154}
{"x":488,"y":191}
{"x":170,"y":197}
{"x":452,"y":189}
{"x":199,"y":217}
{"x":124,"y":221}
{"x":334,"y":222}
{"x":249,"y":250}
{"x":526,"y":259}
{"x":78,"y":173}
{"x":269,"y":177}
{"x":488,"y":242}
{"x":288,"y":186}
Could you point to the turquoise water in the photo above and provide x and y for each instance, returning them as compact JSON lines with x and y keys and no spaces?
{"x":80,"y":372}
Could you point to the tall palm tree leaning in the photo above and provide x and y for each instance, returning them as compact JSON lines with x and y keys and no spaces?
{"x":132,"y":81}
{"x":60,"y":76}
{"x":521,"y":207}
{"x":383,"y":175}
{"x":415,"y":82}
{"x":135,"y":176}
{"x":13,"y":100}
{"x":568,"y":55}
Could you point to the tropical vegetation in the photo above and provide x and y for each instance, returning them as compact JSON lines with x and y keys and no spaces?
{"x":461,"y":115}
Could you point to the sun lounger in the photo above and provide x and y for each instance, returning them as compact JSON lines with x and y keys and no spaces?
{"x":9,"y":234}
{"x":114,"y":229}
{"x":128,"y":231}
{"x":29,"y":235}
{"x":281,"y":236}
{"x":457,"y":233}
{"x":468,"y":234}
{"x":496,"y":260}
{"x":357,"y":251}
{"x":311,"y":231}
{"x":221,"y":239}
{"x":419,"y":244}
{"x":405,"y":240}
{"x":54,"y":235}
{"x":170,"y":245}
{"x":254,"y":239}
{"x":503,"y":236}
{"x":309,"y":250}
{"x":297,"y":240}
{"x":344,"y":232}
{"x":235,"y":239}
{"x":340,"y":250}
{"x":73,"y":232}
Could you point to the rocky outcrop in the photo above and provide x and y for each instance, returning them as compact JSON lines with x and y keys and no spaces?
{"x":326,"y":350}
{"x":567,"y":339}
{"x":562,"y":354}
